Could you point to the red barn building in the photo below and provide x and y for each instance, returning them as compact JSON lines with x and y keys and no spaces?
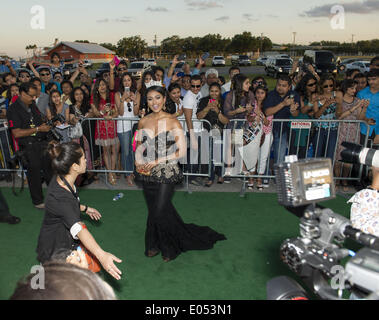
{"x":84,"y":51}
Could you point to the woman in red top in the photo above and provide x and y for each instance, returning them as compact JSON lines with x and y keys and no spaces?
{"x":103,"y":106}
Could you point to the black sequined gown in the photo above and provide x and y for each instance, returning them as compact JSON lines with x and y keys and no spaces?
{"x":165,"y":230}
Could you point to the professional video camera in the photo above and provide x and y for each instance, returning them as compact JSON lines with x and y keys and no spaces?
{"x":53,"y":134}
{"x":316,"y":256}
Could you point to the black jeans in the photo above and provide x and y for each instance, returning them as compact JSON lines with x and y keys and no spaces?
{"x":38,"y":161}
{"x":4,"y":209}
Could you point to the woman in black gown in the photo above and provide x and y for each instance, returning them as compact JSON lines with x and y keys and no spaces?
{"x":160,"y":145}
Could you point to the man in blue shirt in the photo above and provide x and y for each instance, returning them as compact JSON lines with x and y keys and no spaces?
{"x":371,"y":93}
{"x":282,"y":102}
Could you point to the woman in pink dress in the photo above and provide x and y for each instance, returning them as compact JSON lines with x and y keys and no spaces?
{"x":103,"y":106}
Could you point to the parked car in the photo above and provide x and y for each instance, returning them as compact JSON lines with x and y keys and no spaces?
{"x":276,"y":66}
{"x":138,"y":68}
{"x":323,"y":61}
{"x":104,"y":68}
{"x":218,"y":61}
{"x":241,"y":60}
{"x":362,"y":66}
{"x":152,"y":61}
{"x":87,"y":63}
{"x":261,"y":61}
{"x":342,"y":65}
{"x":69,"y":68}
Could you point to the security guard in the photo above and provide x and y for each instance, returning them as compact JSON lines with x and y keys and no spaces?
{"x":30,"y":133}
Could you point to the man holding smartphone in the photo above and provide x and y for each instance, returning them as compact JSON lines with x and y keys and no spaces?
{"x":282,"y":102}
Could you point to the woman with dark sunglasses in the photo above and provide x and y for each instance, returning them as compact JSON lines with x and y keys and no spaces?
{"x":127,"y":102}
{"x":307,"y":89}
{"x":325,"y":138}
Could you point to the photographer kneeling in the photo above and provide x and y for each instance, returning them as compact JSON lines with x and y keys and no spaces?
{"x":364,"y":213}
{"x":30,"y":133}
{"x":62,"y":227}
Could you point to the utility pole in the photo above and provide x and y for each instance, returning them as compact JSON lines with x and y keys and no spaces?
{"x":294,"y":37}
{"x":352,"y":38}
{"x":155,"y":46}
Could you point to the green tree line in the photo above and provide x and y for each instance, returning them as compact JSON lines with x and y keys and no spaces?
{"x":365,"y":46}
{"x":192,"y":46}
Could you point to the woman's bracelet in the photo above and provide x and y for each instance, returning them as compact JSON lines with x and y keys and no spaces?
{"x":85,"y":209}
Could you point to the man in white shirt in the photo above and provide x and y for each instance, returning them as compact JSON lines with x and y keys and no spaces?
{"x":190,"y":104}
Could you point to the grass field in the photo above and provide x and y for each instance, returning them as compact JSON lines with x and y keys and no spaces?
{"x":235,"y":269}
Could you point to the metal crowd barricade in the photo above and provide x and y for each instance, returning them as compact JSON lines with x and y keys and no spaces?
{"x":98,"y":155}
{"x":303,"y":139}
{"x":219,"y":149}
{"x":7,"y":150}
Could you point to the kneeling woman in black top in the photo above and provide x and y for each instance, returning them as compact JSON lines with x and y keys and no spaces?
{"x":62,"y":227}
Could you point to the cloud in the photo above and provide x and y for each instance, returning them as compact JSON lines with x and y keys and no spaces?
{"x":223,"y":19}
{"x":203,"y":4}
{"x":102,"y":21}
{"x":361,"y":7}
{"x":122,"y":20}
{"x":157,"y":9}
{"x":250,"y":17}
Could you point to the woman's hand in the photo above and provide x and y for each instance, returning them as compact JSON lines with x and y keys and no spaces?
{"x":93,"y":213}
{"x":249,"y":108}
{"x":240,"y":110}
{"x":150,"y":165}
{"x":107,"y":261}
{"x":371,"y":122}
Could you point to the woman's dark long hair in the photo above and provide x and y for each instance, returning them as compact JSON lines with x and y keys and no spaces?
{"x":63,"y":156}
{"x":347,"y":84}
{"x":96,"y":93}
{"x":237,"y":88}
{"x":143,"y":90}
{"x":324,"y":78}
{"x":55,"y":54}
{"x":301,"y":87}
{"x":158,"y":89}
{"x":84,"y":105}
{"x":52,"y":106}
{"x":170,"y":104}
{"x":133,"y":88}
{"x":218,"y":86}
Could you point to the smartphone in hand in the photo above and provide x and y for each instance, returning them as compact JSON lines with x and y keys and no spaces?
{"x":205,"y":56}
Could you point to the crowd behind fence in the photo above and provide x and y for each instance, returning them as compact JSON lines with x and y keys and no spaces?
{"x":234,"y":152}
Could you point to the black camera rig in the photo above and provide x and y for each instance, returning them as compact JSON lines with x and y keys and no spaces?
{"x":317,"y":254}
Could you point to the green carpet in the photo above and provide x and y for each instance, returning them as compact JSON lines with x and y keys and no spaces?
{"x":237,"y":268}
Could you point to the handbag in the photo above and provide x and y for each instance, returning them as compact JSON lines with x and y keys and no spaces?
{"x":76,"y":131}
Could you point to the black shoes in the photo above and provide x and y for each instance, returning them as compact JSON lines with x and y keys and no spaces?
{"x":10,"y":219}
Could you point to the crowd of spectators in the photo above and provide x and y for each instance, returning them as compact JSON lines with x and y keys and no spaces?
{"x":239,"y":103}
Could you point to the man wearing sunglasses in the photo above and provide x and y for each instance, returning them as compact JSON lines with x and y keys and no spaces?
{"x":30,"y":137}
{"x":121,"y":69}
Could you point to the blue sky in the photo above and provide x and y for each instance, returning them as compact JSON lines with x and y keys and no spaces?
{"x":109,"y":21}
